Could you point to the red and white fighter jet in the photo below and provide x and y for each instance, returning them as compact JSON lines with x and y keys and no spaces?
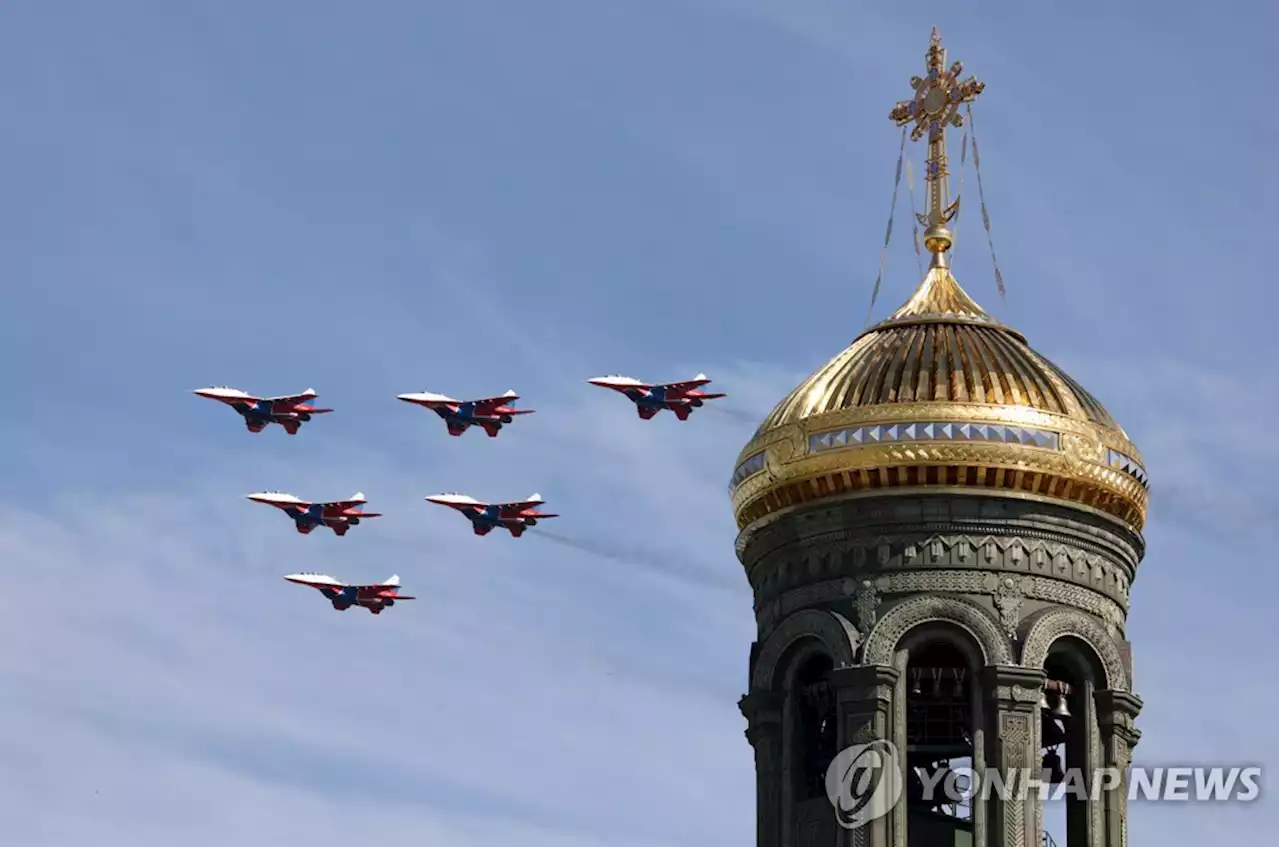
{"x":290,"y":412}
{"x":484,"y":517}
{"x":375,"y":598}
{"x":338,"y":515}
{"x":650,"y":398}
{"x":459,"y":415}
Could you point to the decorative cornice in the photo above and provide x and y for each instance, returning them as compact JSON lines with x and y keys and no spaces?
{"x":865,"y":683}
{"x":1115,"y":705}
{"x":860,"y":519}
{"x":1014,"y":687}
{"x":1092,"y":588}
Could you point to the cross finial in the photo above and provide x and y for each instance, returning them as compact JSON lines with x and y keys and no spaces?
{"x":935,"y":106}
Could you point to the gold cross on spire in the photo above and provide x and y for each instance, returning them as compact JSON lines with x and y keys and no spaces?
{"x":936,"y":105}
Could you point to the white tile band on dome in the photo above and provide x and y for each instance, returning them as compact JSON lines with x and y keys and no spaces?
{"x":835,"y":439}
{"x":1123,"y":463}
{"x":751,"y":466}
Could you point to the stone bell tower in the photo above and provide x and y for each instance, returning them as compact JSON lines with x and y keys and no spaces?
{"x":940,"y":527}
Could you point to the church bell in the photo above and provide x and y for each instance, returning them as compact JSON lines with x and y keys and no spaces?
{"x":1061,"y":710}
{"x":1053,"y":765}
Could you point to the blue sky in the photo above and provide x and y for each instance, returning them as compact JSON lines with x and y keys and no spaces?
{"x":469,"y":197}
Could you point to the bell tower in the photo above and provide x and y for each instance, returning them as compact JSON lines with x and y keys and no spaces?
{"x":940,"y":528}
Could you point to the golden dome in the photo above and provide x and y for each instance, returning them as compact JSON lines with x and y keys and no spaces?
{"x":940,"y":396}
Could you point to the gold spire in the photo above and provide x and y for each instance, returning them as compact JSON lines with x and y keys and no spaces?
{"x":936,"y":105}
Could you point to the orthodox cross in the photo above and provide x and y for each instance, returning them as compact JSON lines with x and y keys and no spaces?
{"x":936,"y":105}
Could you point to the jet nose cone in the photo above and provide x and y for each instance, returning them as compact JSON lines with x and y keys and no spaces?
{"x":408,"y":398}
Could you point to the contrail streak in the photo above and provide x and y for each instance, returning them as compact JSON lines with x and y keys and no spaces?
{"x":736,"y":414}
{"x":643,"y":559}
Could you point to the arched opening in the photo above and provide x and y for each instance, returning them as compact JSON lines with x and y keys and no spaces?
{"x":814,"y":727}
{"x":940,"y":720}
{"x":1068,"y":729}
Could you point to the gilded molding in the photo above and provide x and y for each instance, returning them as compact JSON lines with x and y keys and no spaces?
{"x":1052,"y":475}
{"x":1046,"y":627}
{"x":1084,"y":453}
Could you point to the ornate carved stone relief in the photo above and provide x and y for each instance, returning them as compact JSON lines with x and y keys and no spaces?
{"x":1018,"y":556}
{"x":1043,"y":589}
{"x":1017,"y":694}
{"x":858,"y":520}
{"x":1015,"y":735}
{"x":1048,"y":626}
{"x":865,"y":602}
{"x":838,"y":636}
{"x":884,"y":638}
{"x":1008,"y":594}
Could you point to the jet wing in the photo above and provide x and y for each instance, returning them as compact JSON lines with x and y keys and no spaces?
{"x":356,"y":499}
{"x":687,"y":385}
{"x":309,"y":394}
{"x":380,"y":590}
{"x":520,"y":505}
{"x":488,"y":404}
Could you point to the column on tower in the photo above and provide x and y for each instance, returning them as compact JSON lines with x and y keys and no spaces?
{"x":1013,"y":752}
{"x":764,"y":711}
{"x":1116,"y":713}
{"x":864,"y":697}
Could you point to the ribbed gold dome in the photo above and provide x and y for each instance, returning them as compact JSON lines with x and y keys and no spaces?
{"x":940,"y":396}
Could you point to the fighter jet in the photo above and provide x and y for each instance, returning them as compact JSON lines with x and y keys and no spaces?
{"x":375,"y":598}
{"x":338,"y":515}
{"x":290,"y":412}
{"x":680,"y":397}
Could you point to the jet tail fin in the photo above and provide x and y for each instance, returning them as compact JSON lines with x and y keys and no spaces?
{"x":393,"y":580}
{"x":358,"y":497}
